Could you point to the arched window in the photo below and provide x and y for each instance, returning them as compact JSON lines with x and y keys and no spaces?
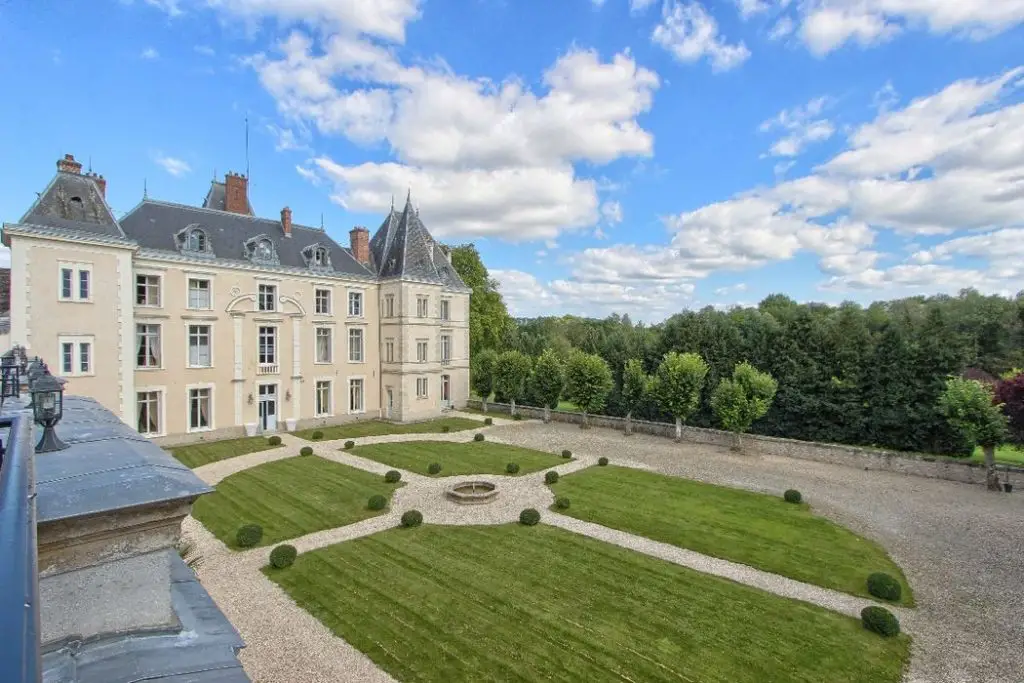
{"x":320,"y":257}
{"x":196,"y":240}
{"x":264,"y":250}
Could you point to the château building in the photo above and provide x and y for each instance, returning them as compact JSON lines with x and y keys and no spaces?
{"x":209,"y":322}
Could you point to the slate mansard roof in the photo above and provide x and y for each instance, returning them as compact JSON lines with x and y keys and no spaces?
{"x":73,"y":202}
{"x":403,"y":248}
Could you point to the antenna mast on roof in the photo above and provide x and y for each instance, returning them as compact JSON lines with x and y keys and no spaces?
{"x":321,"y":220}
{"x":145,"y":189}
{"x":246,"y":144}
{"x":90,"y":163}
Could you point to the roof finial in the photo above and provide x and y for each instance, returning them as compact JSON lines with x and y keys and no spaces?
{"x":321,"y":220}
{"x":145,"y":189}
{"x":408,"y":197}
{"x":90,"y":164}
{"x":392,"y":202}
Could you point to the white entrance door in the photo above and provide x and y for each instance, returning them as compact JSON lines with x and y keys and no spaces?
{"x":268,"y":407}
{"x":446,"y":388}
{"x":391,"y":402}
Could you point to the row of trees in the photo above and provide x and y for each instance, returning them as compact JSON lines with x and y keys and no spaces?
{"x":585,"y":379}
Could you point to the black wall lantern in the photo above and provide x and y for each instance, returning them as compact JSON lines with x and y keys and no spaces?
{"x":48,"y":409}
{"x":10,"y":376}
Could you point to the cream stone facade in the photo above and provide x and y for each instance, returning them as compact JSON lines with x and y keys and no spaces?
{"x":206,"y":322}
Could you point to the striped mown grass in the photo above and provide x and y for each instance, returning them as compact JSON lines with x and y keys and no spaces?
{"x":355,"y":430}
{"x":203,"y":453}
{"x":475,"y":457}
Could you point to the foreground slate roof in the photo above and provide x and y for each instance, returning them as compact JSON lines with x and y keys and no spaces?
{"x":403,"y":248}
{"x":73,"y":202}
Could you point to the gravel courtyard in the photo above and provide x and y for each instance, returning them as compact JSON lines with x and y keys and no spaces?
{"x":962,"y":548}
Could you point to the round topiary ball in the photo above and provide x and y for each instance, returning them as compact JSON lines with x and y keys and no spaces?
{"x":306,"y":450}
{"x":377,"y":502}
{"x":880,"y":620}
{"x":434,"y":468}
{"x":602,"y":461}
{"x":512,"y":468}
{"x":566,"y":453}
{"x":283,"y":556}
{"x":517,"y":417}
{"x":248,"y":535}
{"x":445,"y":429}
{"x":274,"y":441}
{"x":317,"y":435}
{"x":551,"y":477}
{"x":478,"y":437}
{"x":562,"y":503}
{"x":792,"y":496}
{"x":349,"y":445}
{"x":411,"y":518}
{"x":488,"y":421}
{"x":393,"y":476}
{"x":883,"y":586}
{"x":529,"y":517}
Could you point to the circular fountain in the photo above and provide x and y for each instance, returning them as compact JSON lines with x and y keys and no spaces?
{"x":472,"y":492}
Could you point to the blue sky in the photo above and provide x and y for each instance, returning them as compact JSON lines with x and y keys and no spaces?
{"x":624,"y":155}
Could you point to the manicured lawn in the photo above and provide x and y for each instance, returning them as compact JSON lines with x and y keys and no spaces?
{"x":202,"y":453}
{"x":512,"y":603}
{"x":1009,"y":455}
{"x":290,"y":498}
{"x":354,"y":430}
{"x":750,"y":528}
{"x":475,"y":457}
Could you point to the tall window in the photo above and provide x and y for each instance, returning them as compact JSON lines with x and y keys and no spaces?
{"x":147,"y":409}
{"x":83,"y":285}
{"x":355,"y":345}
{"x":199,"y":294}
{"x":268,"y":346}
{"x":421,"y":350}
{"x":147,"y":290}
{"x":422,"y":306}
{"x":324,"y":348}
{"x":389,"y":305}
{"x":75,"y":356}
{"x":421,"y":387}
{"x":322,"y":300}
{"x":323,"y":397}
{"x":355,"y":395}
{"x":67,"y":283}
{"x":266,"y":300}
{"x":389,"y":350}
{"x":355,"y":304}
{"x":445,"y":306}
{"x":199,"y":408}
{"x":147,"y":346}
{"x":75,"y":282}
{"x":446,"y":348}
{"x":199,"y":346}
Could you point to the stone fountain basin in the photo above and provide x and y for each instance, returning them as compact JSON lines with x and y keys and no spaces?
{"x":472,"y":492}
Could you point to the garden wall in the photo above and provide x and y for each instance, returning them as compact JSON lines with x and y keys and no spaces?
{"x":836,"y":454}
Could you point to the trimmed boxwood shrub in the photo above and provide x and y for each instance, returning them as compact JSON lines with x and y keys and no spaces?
{"x":306,"y":450}
{"x":393,"y":476}
{"x":349,"y":445}
{"x":792,"y":496}
{"x":566,"y":453}
{"x":377,"y":502}
{"x":529,"y":517}
{"x":551,"y":477}
{"x":562,"y":503}
{"x":880,"y":620}
{"x":317,"y":435}
{"x":478,"y":437}
{"x":488,"y":421}
{"x":283,"y":556}
{"x":512,"y":468}
{"x":411,"y":518}
{"x":274,"y":440}
{"x":517,"y":417}
{"x":602,"y":461}
{"x":883,"y":586}
{"x":248,"y":535}
{"x":434,"y":468}
{"x":445,"y":429}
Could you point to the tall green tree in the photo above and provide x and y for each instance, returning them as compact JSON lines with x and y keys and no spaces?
{"x":745,"y":397}
{"x":488,"y":317}
{"x":635,"y":383}
{"x":511,"y":370}
{"x":481,"y":374}
{"x":969,"y":407}
{"x":588,"y":381}
{"x":548,"y":380}
{"x":678,"y":383}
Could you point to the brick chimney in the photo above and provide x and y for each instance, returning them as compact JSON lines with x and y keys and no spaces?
{"x":101,"y":183}
{"x":359,"y":240}
{"x":69,"y":165}
{"x":236,"y":193}
{"x":286,"y":221}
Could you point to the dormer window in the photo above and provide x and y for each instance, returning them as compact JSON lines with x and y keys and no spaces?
{"x":194,"y":241}
{"x":264,"y":251}
{"x":320,"y":257}
{"x":261,"y":250}
{"x":317,"y":256}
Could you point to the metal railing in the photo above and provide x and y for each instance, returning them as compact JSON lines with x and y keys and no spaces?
{"x":19,"y":579}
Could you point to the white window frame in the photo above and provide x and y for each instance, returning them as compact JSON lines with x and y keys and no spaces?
{"x":159,"y":346}
{"x":424,"y":392}
{"x":188,"y":292}
{"x":277,"y":345}
{"x":329,"y":381}
{"x":446,"y":309}
{"x":149,"y":288}
{"x":424,"y":345}
{"x":446,"y":347}
{"x":329,"y":298}
{"x":316,"y":345}
{"x":76,"y":342}
{"x":389,"y":350}
{"x":260,"y":293}
{"x":422,"y":306}
{"x":76,"y":281}
{"x":188,"y":407}
{"x":188,"y":344}
{"x":161,"y":393}
{"x":362,"y":344}
{"x":389,"y":306}
{"x":356,"y":304}
{"x":362,"y":395}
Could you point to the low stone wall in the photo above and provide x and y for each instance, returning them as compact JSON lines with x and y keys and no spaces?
{"x":836,"y":454}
